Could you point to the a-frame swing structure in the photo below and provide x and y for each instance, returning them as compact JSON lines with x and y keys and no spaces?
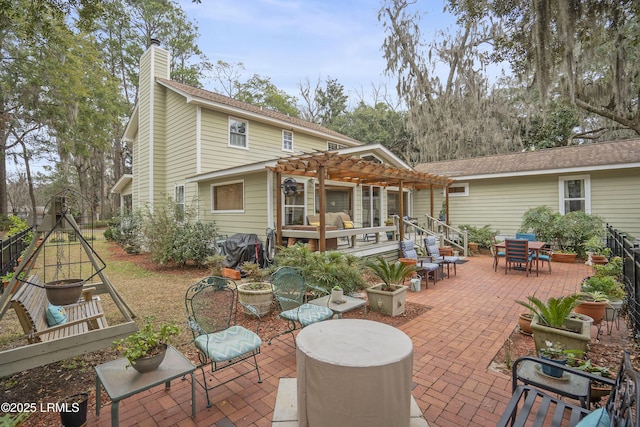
{"x":60,"y":250}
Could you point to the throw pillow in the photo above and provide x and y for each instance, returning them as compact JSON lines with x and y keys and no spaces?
{"x":598,"y":418}
{"x":348,"y":224}
{"x":56,"y":315}
{"x":314,"y":224}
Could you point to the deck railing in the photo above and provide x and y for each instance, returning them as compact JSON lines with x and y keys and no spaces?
{"x":629,"y":251}
{"x":445,"y":234}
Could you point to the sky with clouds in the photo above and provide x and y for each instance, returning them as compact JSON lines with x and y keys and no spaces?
{"x":294,"y":40}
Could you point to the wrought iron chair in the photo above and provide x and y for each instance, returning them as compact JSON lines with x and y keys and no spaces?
{"x":426,"y":267}
{"x":290,"y":291}
{"x":517,"y":252}
{"x":211,"y":315}
{"x":497,"y":254}
{"x":433,"y":251}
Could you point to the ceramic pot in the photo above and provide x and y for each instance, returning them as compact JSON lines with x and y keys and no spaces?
{"x":552,"y":371}
{"x":261,"y":299}
{"x":64,"y":291}
{"x":337,"y":296}
{"x":593,"y":309}
{"x":149,"y":363}
{"x":524,"y":321}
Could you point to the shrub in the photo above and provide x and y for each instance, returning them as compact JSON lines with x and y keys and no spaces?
{"x":323,"y":269}
{"x":482,"y":235}
{"x":126,"y":231}
{"x":190,"y":242}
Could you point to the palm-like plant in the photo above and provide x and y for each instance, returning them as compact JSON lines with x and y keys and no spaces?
{"x":390,"y":273}
{"x":554,"y":311}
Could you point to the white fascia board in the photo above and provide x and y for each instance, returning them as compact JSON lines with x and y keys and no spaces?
{"x":122,"y":182}
{"x":578,"y":169}
{"x":378,"y":150}
{"x":226,"y":173}
{"x":132,"y":126}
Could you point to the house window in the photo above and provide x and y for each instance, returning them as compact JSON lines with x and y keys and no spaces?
{"x":334,"y":146}
{"x":228,"y":197}
{"x":237,"y":133}
{"x":575,"y":193}
{"x":287,"y":140}
{"x":393,"y":203}
{"x":178,"y":197}
{"x":294,"y":207}
{"x":458,"y":190}
{"x":371,"y":206}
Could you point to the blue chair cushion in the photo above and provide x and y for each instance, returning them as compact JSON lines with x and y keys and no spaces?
{"x":501,"y":253}
{"x":598,"y":418}
{"x":432,"y":247}
{"x":544,"y":257}
{"x":307,"y":314}
{"x":228,"y":344}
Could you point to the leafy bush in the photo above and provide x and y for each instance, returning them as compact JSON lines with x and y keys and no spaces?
{"x":482,"y":236}
{"x":126,"y":231}
{"x":5,"y":222}
{"x":323,"y":269}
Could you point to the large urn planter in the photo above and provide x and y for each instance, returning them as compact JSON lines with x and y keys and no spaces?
{"x":391,"y":303}
{"x":594,"y":309}
{"x":613,"y":309}
{"x":575,"y":335}
{"x":563,"y":257}
{"x":256,"y":294}
{"x":64,"y":291}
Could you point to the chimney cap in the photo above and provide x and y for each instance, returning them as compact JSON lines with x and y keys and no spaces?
{"x":154,"y":42}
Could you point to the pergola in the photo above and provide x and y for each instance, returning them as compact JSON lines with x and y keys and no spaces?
{"x":332,"y":166}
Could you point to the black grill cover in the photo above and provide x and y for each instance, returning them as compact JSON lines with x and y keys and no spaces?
{"x":243,"y":247}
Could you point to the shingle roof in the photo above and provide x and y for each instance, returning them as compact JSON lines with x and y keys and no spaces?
{"x":603,"y":154}
{"x":234,"y":103}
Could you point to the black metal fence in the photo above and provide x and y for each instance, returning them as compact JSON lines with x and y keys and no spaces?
{"x":629,"y":251}
{"x":10,"y":250}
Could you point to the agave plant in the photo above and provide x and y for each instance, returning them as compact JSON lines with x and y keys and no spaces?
{"x":554,"y":311}
{"x":390,"y":273}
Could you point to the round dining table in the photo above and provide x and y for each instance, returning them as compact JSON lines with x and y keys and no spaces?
{"x":353,"y":372}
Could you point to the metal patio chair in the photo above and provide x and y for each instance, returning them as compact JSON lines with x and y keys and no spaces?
{"x":211,"y":316}
{"x":290,"y":292}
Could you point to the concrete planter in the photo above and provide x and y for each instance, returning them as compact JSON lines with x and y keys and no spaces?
{"x":576,"y":336}
{"x":261,"y":296}
{"x":391,"y":303}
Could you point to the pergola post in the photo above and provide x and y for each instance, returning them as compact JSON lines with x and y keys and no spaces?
{"x":401,"y":208}
{"x":322,"y":241}
{"x":279,"y":209}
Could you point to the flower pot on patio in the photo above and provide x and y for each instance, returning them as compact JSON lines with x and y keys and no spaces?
{"x":257,"y":294}
{"x":594,"y":309}
{"x":576,"y":334}
{"x":563,"y":257}
{"x":391,"y":303}
{"x":524,"y":321}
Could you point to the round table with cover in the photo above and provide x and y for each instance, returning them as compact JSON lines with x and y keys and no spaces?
{"x":353,"y":372}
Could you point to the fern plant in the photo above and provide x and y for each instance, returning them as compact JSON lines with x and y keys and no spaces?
{"x":554,"y":311}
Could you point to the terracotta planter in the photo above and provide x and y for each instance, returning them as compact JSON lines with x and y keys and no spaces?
{"x":524,"y":321}
{"x":391,"y":303}
{"x":261,"y":299}
{"x":149,"y":363}
{"x":566,"y":258}
{"x":599,"y":259}
{"x":473,"y":247}
{"x":595,"y":310}
{"x":64,"y":291}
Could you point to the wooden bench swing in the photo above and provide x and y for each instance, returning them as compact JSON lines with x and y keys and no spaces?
{"x":86,"y":329}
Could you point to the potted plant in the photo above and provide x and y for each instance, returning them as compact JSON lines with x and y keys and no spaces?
{"x":337,"y":295}
{"x":554,"y":352}
{"x":596,"y":250}
{"x":552,"y":321}
{"x":389,"y":297}
{"x":597,"y":390}
{"x":389,"y":222}
{"x":593,"y":304}
{"x":256,"y":291}
{"x":146,"y":348}
{"x":64,"y":291}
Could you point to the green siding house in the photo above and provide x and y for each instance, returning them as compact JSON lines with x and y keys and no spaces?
{"x":214,"y":153}
{"x":601,"y":179}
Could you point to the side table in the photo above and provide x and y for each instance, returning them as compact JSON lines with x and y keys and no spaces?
{"x":349,"y":304}
{"x":121,"y":382}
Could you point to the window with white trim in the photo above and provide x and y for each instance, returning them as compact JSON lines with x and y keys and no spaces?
{"x":334,"y":146}
{"x":227,"y":197}
{"x":287,"y":140}
{"x":178,"y":197}
{"x":458,"y":190}
{"x":238,"y":133}
{"x":575,"y":193}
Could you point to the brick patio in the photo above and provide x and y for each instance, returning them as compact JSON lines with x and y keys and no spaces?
{"x":454,"y":343}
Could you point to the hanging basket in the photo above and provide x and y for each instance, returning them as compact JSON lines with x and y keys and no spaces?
{"x":64,"y":291}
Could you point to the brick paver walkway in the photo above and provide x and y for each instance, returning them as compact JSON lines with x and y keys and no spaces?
{"x":454,"y":343}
